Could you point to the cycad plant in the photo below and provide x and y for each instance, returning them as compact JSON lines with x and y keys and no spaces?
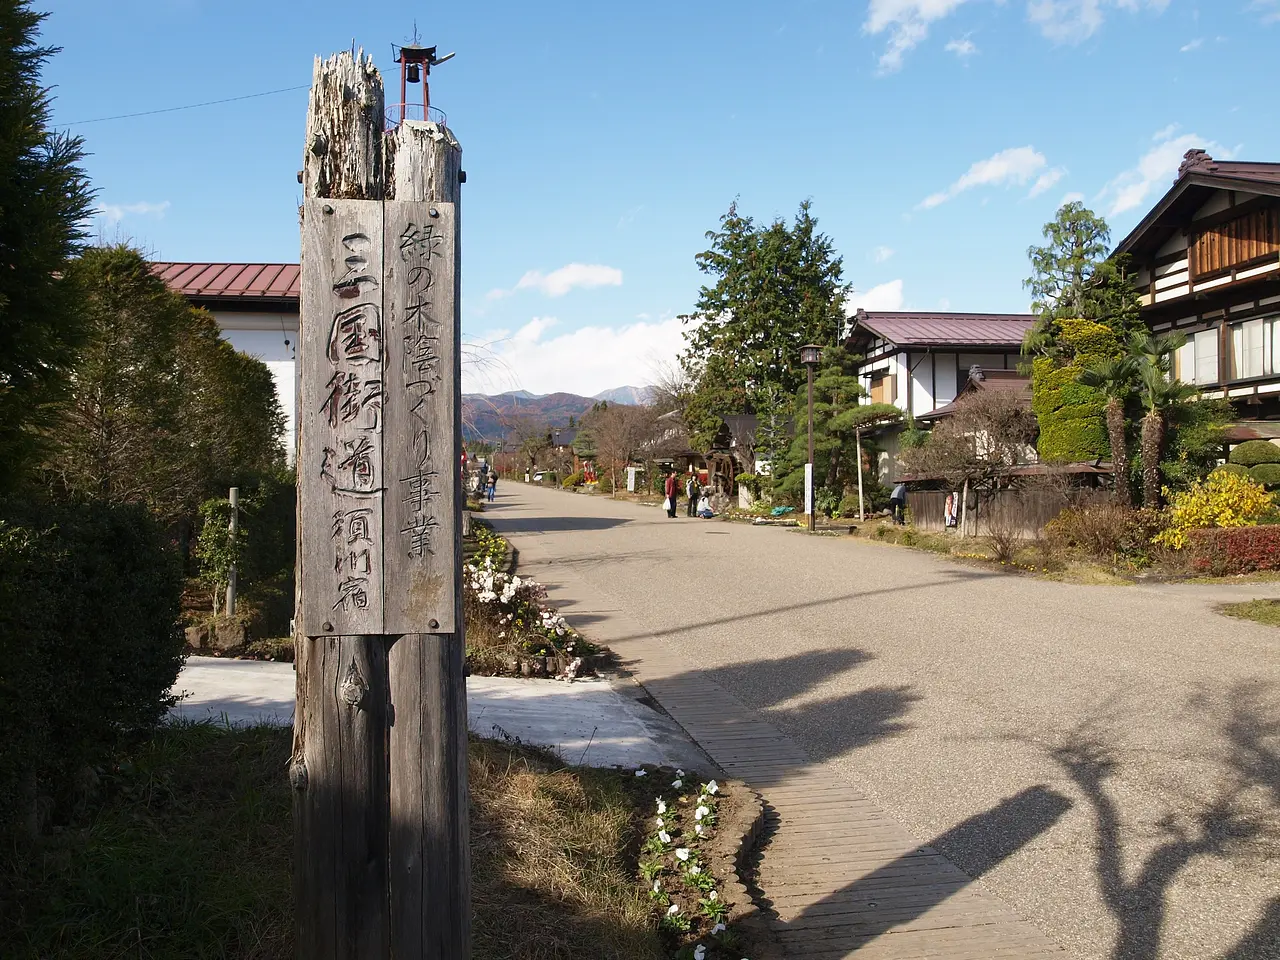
{"x":1116,"y":379}
{"x":1159,"y":395}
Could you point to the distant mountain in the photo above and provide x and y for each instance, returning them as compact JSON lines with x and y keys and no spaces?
{"x":498,"y":417}
{"x":633,"y":396}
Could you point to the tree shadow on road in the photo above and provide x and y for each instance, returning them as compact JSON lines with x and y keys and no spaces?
{"x":557,"y":524}
{"x":1230,"y":823}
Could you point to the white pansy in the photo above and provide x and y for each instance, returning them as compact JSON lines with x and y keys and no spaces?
{"x":682,"y":853}
{"x":657,"y":885}
{"x":679,"y":773}
{"x":677,"y":784}
{"x":713,"y":788}
{"x":664,"y":836}
{"x":641,"y":773}
{"x":660,"y":822}
{"x":673,"y":910}
{"x":699,"y":952}
{"x":713,"y":895}
{"x":718,"y":928}
{"x":662,"y":806}
{"x":701,"y":812}
{"x":695,"y":869}
{"x":698,"y":827}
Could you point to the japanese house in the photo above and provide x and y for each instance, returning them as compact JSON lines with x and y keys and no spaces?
{"x":920,"y":361}
{"x":1207,"y":262}
{"x":256,"y":306}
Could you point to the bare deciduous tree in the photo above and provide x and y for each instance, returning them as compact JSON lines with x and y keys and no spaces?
{"x":620,"y":432}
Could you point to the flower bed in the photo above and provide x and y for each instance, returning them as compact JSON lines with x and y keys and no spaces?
{"x":511,"y":629}
{"x":689,"y":878}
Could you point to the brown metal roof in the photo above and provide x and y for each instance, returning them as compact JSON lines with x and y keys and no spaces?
{"x":946,"y":329}
{"x":232,"y":281}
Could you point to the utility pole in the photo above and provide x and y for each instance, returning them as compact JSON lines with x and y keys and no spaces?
{"x":379,"y":765}
{"x":234,"y":498}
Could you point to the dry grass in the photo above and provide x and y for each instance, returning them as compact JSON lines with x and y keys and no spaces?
{"x":1259,"y":611}
{"x":189,"y":855}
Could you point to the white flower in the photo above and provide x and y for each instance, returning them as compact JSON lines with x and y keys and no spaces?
{"x":701,"y":812}
{"x":657,"y":885}
{"x":713,"y":787}
{"x":698,"y":827}
{"x":713,"y":895}
{"x":718,"y":928}
{"x":660,"y":822}
{"x":677,"y":783}
{"x":695,"y":869}
{"x":679,"y":773}
{"x":664,"y":836}
{"x":673,"y":910}
{"x":641,"y":773}
{"x":682,"y":853}
{"x":662,"y":806}
{"x":699,"y":952}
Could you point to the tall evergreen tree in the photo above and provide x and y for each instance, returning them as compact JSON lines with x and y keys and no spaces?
{"x":44,"y":201}
{"x":776,"y":288}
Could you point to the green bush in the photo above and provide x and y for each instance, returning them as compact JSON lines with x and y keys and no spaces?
{"x":1253,"y":452}
{"x":573,"y":480}
{"x":1235,"y":468}
{"x":89,"y":639}
{"x":1267,"y":474}
{"x":1071,"y":415}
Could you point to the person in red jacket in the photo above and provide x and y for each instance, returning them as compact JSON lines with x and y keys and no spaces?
{"x":672,"y":489}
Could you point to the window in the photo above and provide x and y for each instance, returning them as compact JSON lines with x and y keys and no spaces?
{"x":1205,"y":356}
{"x":882,"y":388}
{"x":1255,"y":348}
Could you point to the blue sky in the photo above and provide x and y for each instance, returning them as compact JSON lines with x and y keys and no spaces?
{"x":601,"y":140}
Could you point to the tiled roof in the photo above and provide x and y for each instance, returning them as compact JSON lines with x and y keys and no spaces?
{"x":948,"y":329}
{"x":1199,"y":162}
{"x":232,"y":281}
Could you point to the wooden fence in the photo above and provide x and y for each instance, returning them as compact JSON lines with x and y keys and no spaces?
{"x":1026,"y":511}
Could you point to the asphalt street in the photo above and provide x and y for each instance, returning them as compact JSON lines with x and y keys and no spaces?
{"x":1119,"y":746}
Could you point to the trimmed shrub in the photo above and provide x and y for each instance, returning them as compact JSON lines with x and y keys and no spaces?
{"x":89,"y":639}
{"x":573,"y":480}
{"x":1072,"y":416}
{"x":1253,"y":452}
{"x":1223,"y":500}
{"x":1224,"y":553}
{"x":1233,"y":468}
{"x":1267,"y":474}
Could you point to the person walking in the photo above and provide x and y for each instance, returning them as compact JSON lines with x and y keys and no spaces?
{"x":898,"y":503}
{"x":672,"y":490}
{"x":493,"y":484}
{"x":692,"y":490}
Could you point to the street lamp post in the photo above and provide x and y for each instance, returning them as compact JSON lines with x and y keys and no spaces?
{"x":810,"y":356}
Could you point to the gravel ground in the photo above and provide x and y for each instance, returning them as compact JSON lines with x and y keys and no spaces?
{"x":943,"y":689}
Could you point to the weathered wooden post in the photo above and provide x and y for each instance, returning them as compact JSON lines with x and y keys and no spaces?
{"x":379,"y":761}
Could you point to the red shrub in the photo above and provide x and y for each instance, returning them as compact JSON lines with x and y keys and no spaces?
{"x":1222,"y":552}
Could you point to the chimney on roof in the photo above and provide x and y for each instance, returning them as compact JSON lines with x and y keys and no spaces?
{"x":1196,"y":160}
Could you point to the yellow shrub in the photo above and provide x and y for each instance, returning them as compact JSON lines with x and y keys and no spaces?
{"x":1223,"y":500}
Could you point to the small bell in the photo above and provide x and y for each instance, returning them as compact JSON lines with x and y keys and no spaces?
{"x":413,"y":73}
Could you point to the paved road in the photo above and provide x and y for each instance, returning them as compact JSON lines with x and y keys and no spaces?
{"x":1105,"y":760}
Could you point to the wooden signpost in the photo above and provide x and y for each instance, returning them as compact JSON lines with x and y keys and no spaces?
{"x":380,"y":733}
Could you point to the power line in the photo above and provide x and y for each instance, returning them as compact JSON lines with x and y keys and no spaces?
{"x":189,"y":106}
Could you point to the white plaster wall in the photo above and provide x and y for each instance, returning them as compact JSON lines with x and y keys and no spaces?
{"x":903,"y":375}
{"x":922,"y":383}
{"x":944,"y":365}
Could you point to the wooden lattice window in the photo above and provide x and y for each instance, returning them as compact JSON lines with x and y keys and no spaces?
{"x":1254,"y":236}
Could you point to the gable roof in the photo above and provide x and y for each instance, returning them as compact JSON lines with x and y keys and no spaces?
{"x":1198,"y":177}
{"x":276,"y":283}
{"x":945,"y":329}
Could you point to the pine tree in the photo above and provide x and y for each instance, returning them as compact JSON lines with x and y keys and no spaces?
{"x":44,"y":201}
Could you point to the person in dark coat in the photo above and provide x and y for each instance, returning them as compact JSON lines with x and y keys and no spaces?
{"x":692,"y":490}
{"x":898,"y":503}
{"x":672,"y":490}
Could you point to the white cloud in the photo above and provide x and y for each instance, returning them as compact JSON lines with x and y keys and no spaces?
{"x":962,"y":48}
{"x":115,"y":212}
{"x":1071,"y":198}
{"x":1016,"y":165}
{"x":1165,"y":133}
{"x":585,"y":361}
{"x":1195,"y":44}
{"x":1073,"y":21}
{"x":573,"y":276}
{"x":881,"y":254}
{"x":1270,"y":9}
{"x":907,"y":22}
{"x":1046,"y":180}
{"x":886,"y":296}
{"x":1157,"y":168}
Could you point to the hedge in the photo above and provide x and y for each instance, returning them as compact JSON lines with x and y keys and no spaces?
{"x":1253,"y":452}
{"x":89,"y":640}
{"x":1072,"y":416}
{"x":1234,"y":550}
{"x":1232,"y":468}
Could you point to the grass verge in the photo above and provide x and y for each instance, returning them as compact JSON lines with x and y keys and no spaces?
{"x":188,"y":855}
{"x":1259,"y":611}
